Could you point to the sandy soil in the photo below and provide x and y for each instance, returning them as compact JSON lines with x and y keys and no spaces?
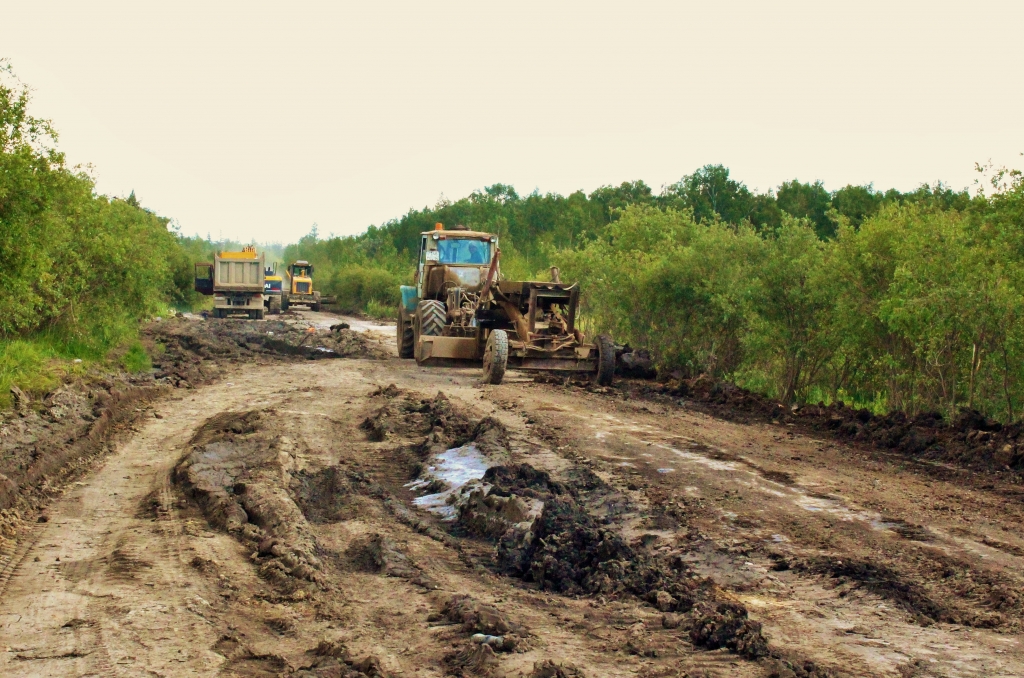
{"x":853,"y":564}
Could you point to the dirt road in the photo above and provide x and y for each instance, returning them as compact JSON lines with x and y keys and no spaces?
{"x":852,"y":563}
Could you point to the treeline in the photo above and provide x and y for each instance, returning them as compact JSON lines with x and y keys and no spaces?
{"x":365,"y":270}
{"x":885,"y":299}
{"x":77,"y":269}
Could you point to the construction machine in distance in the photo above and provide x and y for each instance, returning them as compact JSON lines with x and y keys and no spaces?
{"x":461,"y":310}
{"x":299,"y":290}
{"x":235,"y":280}
{"x":273,"y":289}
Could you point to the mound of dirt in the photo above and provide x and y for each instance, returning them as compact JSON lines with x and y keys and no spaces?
{"x":477,"y":617}
{"x":233,"y":470}
{"x":333,"y":660}
{"x":970,"y":439}
{"x":725,"y":624}
{"x":549,"y":669}
{"x":380,"y":554}
{"x":564,"y":549}
{"x":189,"y":344}
{"x":404,"y":416}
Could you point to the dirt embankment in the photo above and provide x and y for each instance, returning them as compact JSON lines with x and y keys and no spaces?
{"x":46,"y":442}
{"x":970,"y":440}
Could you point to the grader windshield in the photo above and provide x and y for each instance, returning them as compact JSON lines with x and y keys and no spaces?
{"x":464,"y":251}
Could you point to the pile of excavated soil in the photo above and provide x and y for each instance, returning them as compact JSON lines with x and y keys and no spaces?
{"x":234,"y":469}
{"x":188,"y":346}
{"x":45,"y":441}
{"x":565,"y":550}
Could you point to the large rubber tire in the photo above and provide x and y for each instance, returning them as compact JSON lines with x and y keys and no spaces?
{"x":605,"y":360}
{"x":406,"y":339}
{"x":284,"y":303}
{"x":219,"y":313}
{"x":495,"y":356}
{"x":431,"y":316}
{"x":275,"y":304}
{"x":261,"y":314}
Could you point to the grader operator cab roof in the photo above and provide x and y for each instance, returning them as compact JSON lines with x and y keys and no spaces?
{"x":455,"y":247}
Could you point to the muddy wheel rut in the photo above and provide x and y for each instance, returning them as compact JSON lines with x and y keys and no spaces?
{"x":371,"y":518}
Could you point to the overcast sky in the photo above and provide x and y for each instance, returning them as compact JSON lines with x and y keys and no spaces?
{"x":257,"y":119}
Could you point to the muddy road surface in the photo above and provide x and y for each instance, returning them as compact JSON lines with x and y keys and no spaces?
{"x":367,"y":517}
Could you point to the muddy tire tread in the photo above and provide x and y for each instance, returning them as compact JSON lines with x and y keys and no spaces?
{"x":495,"y":357}
{"x":406,"y":337}
{"x":432,"y":317}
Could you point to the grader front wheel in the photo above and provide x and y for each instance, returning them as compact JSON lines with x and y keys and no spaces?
{"x":406,"y":339}
{"x":495,"y":357}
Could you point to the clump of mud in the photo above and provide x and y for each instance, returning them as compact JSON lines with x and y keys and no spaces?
{"x":725,"y":624}
{"x":405,"y":416}
{"x":380,"y":554}
{"x":549,"y":669}
{"x":333,"y":660}
{"x":329,"y":660}
{"x":233,"y":470}
{"x":564,"y":549}
{"x":480,"y":618}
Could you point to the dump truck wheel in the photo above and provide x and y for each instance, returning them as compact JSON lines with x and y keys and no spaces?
{"x":261,"y":314}
{"x":432,"y":317}
{"x":406,"y":339}
{"x":605,"y":360}
{"x":495,"y":356}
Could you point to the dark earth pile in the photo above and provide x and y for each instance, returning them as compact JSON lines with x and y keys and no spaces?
{"x":969,"y":440}
{"x":567,"y":551}
{"x":185,"y":349}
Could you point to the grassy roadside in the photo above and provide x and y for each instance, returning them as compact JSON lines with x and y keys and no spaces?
{"x":38,"y":364}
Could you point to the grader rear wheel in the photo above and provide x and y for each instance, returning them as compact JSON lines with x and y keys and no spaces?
{"x":605,"y":360}
{"x":495,"y":357}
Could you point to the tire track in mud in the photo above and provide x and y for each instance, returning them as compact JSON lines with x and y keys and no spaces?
{"x":103,"y":589}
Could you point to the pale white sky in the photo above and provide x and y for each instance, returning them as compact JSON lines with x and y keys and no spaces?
{"x":256,"y":119}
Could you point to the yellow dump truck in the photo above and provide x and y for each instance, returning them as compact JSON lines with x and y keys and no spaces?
{"x":235,"y":280}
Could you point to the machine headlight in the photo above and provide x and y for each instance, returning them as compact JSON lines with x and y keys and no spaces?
{"x":437,"y":237}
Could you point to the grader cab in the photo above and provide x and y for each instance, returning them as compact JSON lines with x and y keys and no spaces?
{"x":461,"y":310}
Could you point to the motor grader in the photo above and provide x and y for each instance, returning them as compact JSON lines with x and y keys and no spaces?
{"x":460,"y":309}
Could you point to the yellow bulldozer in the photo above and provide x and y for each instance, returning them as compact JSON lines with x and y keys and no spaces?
{"x":299,"y":290}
